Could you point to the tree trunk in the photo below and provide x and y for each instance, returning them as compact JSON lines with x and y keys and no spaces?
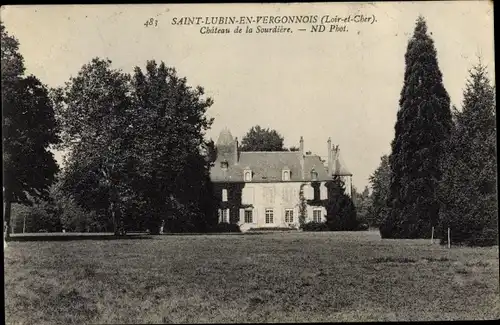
{"x":113,"y":218}
{"x":121,"y":222}
{"x":154,"y":228}
{"x":116,"y":215}
{"x":154,"y":223}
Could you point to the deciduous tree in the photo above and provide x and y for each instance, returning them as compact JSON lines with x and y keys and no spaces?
{"x":97,"y":122}
{"x":362,"y":202}
{"x":173,"y":158}
{"x":29,"y":128}
{"x":260,"y":139}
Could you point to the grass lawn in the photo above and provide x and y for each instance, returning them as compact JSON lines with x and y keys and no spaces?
{"x":276,"y":277}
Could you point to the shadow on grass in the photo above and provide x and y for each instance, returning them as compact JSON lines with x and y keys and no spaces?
{"x":110,"y":236}
{"x":215,"y":233}
{"x":389,"y":259}
{"x":71,"y":237}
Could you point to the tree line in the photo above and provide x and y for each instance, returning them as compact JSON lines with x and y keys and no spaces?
{"x":441,"y":172}
{"x":136,"y":153}
{"x":137,"y":157}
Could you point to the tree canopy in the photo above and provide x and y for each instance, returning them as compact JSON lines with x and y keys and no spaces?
{"x":173,"y":157}
{"x":95,"y":110}
{"x":137,"y":148}
{"x":260,"y":139}
{"x":29,"y":128}
{"x":363,"y":202}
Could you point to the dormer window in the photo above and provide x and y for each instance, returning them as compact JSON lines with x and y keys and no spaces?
{"x":224,"y":164}
{"x":285,"y":174}
{"x":314,"y":175}
{"x":247,"y":175}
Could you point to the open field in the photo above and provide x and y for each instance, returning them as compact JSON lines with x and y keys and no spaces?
{"x":276,"y":277}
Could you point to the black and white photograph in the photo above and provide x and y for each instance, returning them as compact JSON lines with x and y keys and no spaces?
{"x":249,"y":163}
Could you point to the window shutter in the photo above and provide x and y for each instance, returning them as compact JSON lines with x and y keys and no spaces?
{"x":242,"y":216}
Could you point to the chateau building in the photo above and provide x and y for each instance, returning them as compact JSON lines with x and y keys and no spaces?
{"x":272,"y":189}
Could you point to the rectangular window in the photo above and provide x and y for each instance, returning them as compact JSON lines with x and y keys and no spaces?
{"x":268,"y":195}
{"x":248,"y":216}
{"x":289,"y":215}
{"x":269,"y":216}
{"x":317,"y":215}
{"x":247,"y":195}
{"x":224,"y":195}
{"x":288,"y":195}
{"x":225,"y":215}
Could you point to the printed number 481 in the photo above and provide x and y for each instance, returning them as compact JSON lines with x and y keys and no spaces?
{"x":151,"y":22}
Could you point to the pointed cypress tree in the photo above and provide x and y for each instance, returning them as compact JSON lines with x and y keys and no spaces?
{"x":341,"y":211}
{"x":468,"y":189}
{"x":379,"y":181}
{"x":423,"y":124}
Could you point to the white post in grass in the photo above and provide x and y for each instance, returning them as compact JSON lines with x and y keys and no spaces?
{"x":432,"y":236}
{"x":449,"y":238}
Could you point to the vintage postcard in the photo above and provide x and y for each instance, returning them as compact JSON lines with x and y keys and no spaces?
{"x":230,"y":163}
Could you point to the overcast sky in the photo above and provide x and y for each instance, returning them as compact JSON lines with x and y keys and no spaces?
{"x":317,"y":85}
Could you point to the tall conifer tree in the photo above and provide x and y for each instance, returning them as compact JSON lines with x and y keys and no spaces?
{"x":423,"y":125}
{"x":379,"y":181}
{"x":468,"y":190}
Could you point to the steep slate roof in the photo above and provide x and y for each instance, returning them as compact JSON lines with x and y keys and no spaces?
{"x":268,"y":167}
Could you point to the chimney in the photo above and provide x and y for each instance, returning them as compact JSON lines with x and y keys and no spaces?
{"x":236,"y":151}
{"x":329,"y":156}
{"x":335,"y":162}
{"x":302,"y":162}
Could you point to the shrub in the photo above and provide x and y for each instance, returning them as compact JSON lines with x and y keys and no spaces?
{"x":225,"y":227}
{"x":362,"y":227}
{"x":315,"y":226}
{"x":34,"y":218}
{"x":488,"y":237}
{"x":341,"y":211}
{"x":271,"y":229}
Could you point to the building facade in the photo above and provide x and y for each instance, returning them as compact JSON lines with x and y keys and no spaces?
{"x":273,"y":189}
